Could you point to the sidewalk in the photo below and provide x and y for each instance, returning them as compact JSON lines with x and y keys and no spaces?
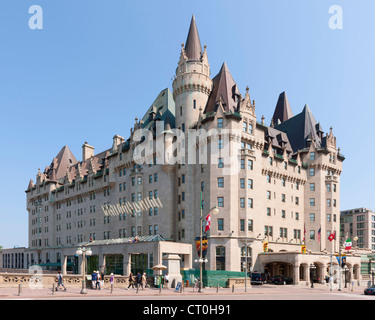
{"x":188,"y":293}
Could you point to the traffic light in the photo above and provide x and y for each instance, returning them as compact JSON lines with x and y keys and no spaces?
{"x":265,"y":246}
{"x":303,"y":249}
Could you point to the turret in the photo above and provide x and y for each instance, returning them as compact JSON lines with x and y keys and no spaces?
{"x":192,"y":84}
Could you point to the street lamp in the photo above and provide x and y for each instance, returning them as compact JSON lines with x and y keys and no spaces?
{"x":312,"y":267}
{"x":214,"y":211}
{"x":372,"y":275}
{"x":84,"y":252}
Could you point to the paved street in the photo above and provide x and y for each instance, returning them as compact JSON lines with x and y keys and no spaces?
{"x":264,"y":292}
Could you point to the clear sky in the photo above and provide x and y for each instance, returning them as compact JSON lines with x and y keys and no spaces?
{"x":96,"y":65}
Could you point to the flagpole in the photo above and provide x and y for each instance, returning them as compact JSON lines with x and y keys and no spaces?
{"x":201,"y":249}
{"x":330,"y":268}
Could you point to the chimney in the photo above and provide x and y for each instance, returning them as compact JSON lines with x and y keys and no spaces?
{"x":87,"y":151}
{"x":117,"y":140}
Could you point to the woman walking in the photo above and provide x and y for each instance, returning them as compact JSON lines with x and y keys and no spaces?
{"x":131,"y":281}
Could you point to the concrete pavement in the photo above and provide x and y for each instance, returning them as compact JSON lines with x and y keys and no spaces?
{"x":263,"y":292}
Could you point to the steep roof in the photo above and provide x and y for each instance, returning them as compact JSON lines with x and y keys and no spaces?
{"x":283,"y":111}
{"x":63,"y":160}
{"x":224,"y":89}
{"x":301,"y":128}
{"x":193,"y":45}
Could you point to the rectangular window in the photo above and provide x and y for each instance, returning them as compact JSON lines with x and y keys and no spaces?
{"x":242,"y":224}
{"x":242,"y":202}
{"x":312,"y":202}
{"x":220,"y":201}
{"x":220,"y":182}
{"x":312,"y":155}
{"x":220,"y":224}
{"x":242,"y":183}
{"x":250,"y":183}
{"x":312,"y":172}
{"x":312,"y":186}
{"x":250,"y":164}
{"x":250,"y":225}
{"x":250,"y":203}
{"x":312,"y":235}
{"x":220,"y":122}
{"x":220,"y":163}
{"x":242,"y":163}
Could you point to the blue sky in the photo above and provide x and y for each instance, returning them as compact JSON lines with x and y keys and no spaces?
{"x":96,"y":65}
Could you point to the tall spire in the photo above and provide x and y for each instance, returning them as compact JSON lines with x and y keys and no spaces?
{"x":283,"y":111}
{"x":224,"y":89}
{"x":193,"y":45}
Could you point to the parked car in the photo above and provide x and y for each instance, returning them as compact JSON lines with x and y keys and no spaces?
{"x":256,"y":278}
{"x":281,"y":280}
{"x":370,"y":290}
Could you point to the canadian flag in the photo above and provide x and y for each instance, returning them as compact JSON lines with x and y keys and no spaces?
{"x":208,"y":222}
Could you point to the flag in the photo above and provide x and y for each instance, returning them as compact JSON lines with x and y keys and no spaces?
{"x":332,"y":236}
{"x":319,"y":234}
{"x":204,"y":246}
{"x":348,"y":244}
{"x":208,"y":222}
{"x":304,"y":232}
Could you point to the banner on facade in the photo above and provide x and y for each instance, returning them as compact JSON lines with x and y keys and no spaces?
{"x":204,"y":246}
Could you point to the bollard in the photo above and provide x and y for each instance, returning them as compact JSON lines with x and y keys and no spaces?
{"x":159,"y":288}
{"x":233,"y":288}
{"x":217,"y":288}
{"x":111,"y":287}
{"x":20,"y":289}
{"x":53,"y":288}
{"x":137,"y":287}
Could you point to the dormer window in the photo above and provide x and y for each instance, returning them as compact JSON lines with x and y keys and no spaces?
{"x":220,"y":122}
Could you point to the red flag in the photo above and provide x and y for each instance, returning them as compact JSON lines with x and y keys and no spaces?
{"x":332,"y":236}
{"x":304,"y":232}
{"x":319,"y":233}
{"x":208,"y":222}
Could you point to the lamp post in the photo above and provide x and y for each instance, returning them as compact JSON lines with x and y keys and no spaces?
{"x":215,"y":211}
{"x":372,"y":275}
{"x":84,"y":252}
{"x":312,"y":267}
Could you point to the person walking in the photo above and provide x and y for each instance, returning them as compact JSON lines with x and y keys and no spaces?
{"x":102,"y":280}
{"x":131,"y":281}
{"x":93,"y":279}
{"x":98,"y":280}
{"x":139,"y":280}
{"x":144,"y":281}
{"x":60,"y":281}
{"x":166,"y":280}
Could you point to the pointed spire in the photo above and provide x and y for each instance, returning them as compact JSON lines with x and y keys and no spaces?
{"x":224,"y":90}
{"x":193,"y":45}
{"x":283,"y":111}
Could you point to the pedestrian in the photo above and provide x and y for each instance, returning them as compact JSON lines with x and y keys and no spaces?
{"x":131,"y":281}
{"x":144,"y":281}
{"x":112,"y":279}
{"x":97,"y":280}
{"x":139,"y":280}
{"x":93,"y":279}
{"x":166,"y":280}
{"x":102,"y":280}
{"x":60,"y":281}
